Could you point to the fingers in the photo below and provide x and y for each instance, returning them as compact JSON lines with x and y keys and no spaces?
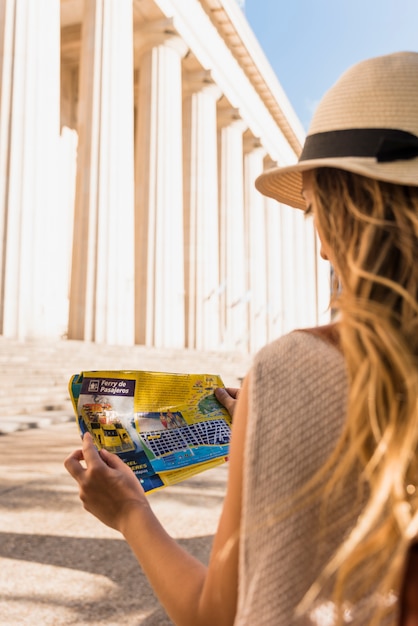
{"x":233,"y":391}
{"x":88,"y":453}
{"x":107,"y":486}
{"x":111,"y":460}
{"x":72,"y":464}
{"x":226,"y":398}
{"x":88,"y":441}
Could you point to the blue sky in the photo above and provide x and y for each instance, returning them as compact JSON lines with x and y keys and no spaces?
{"x":309,"y":43}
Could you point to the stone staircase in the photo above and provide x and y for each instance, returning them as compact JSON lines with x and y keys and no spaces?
{"x":34,"y":375}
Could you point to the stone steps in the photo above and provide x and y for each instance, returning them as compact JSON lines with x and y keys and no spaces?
{"x":34,"y":375}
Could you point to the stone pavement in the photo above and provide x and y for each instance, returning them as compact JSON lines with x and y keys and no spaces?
{"x":58,"y":564}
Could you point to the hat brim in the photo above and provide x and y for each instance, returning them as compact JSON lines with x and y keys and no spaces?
{"x":284,"y":184}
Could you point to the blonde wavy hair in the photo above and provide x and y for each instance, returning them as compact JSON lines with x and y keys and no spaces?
{"x":371,"y":227}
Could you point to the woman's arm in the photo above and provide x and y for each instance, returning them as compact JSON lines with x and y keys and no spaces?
{"x":192,"y":594}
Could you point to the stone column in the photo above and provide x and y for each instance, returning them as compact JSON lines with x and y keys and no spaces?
{"x":234,"y":332}
{"x":276,"y":265}
{"x":299,"y":277}
{"x":102,"y":300}
{"x":201,"y":228}
{"x":255,"y":245}
{"x":308,"y":269}
{"x":293,"y":282}
{"x":159,"y":282}
{"x":316,"y":274}
{"x":298,"y":284}
{"x":29,"y":136}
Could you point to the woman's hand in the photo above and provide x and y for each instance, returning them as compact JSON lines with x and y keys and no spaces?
{"x":108,"y":487}
{"x":228,"y":397}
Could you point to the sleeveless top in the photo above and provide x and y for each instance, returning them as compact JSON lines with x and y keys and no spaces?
{"x":297,"y":408}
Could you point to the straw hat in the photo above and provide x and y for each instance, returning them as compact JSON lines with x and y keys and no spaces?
{"x":366,"y":123}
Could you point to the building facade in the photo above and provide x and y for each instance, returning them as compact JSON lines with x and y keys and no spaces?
{"x":131,"y":133}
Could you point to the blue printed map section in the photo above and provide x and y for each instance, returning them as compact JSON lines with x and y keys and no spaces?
{"x":142,"y":469}
{"x":188,"y":445}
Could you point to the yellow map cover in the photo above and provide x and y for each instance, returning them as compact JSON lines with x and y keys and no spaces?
{"x":166,"y":427}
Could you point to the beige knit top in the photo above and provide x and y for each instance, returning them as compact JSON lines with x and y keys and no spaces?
{"x":297,"y":409}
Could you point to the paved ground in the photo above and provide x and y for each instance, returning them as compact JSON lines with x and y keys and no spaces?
{"x":58,"y":565}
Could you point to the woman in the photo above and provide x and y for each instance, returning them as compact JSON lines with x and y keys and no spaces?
{"x":322,"y":500}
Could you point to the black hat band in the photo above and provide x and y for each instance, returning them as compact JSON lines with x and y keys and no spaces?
{"x":383,"y":144}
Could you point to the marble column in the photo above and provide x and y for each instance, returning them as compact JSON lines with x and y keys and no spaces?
{"x":255,"y":245}
{"x":159,"y":281}
{"x":234,"y":297}
{"x":293,"y":282}
{"x":307,"y":255}
{"x":29,"y":138}
{"x":276,"y":266}
{"x":102,"y":283}
{"x":299,"y":277}
{"x":316,"y":273}
{"x":201,"y":228}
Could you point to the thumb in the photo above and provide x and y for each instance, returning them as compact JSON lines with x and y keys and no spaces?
{"x":221,"y":393}
{"x":112,"y":460}
{"x":225,"y":399}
